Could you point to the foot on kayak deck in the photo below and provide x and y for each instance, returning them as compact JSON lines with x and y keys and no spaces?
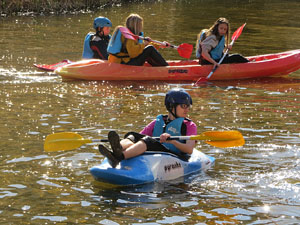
{"x":109,"y":155}
{"x":114,"y":141}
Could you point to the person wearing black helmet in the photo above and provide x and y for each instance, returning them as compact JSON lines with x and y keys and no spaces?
{"x":176,"y":123}
{"x":95,"y":44}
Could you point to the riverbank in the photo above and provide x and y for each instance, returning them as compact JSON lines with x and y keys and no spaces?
{"x":41,"y":7}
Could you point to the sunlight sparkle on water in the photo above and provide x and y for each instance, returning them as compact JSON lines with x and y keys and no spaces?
{"x":266,"y":208}
{"x":26,"y":207}
{"x":47,"y":163}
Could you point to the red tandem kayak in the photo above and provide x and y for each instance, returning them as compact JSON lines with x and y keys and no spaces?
{"x":186,"y":70}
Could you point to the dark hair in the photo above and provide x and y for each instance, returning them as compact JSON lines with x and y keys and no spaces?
{"x":214,"y":29}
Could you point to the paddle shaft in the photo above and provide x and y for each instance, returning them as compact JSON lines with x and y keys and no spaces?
{"x":221,"y":60}
{"x":196,"y":137}
{"x":184,"y":50}
{"x":146,"y":39}
{"x":159,"y":42}
{"x":69,"y":140}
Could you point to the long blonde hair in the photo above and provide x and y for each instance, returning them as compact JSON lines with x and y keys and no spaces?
{"x":134,"y":23}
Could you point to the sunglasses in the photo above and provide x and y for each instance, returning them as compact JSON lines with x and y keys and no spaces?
{"x":184,"y":106}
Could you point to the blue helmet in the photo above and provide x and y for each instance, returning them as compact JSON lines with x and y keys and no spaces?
{"x":102,"y":22}
{"x":176,"y":97}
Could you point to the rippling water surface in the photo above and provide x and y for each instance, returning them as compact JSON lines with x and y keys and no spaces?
{"x":258,"y":183}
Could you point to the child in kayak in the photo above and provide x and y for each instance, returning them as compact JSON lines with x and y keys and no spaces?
{"x":211,"y":43}
{"x":133,"y":52}
{"x":95,"y":44}
{"x":177,"y":102}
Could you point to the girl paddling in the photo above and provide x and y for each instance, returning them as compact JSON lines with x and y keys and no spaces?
{"x":133,"y":52}
{"x":211,"y":43}
{"x":176,"y":123}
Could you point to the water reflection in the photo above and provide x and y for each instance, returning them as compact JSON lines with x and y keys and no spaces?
{"x":244,"y":178}
{"x":156,"y":197}
{"x":256,"y":183}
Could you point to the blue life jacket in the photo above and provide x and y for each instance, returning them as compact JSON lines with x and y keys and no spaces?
{"x":87,"y":51}
{"x":173,"y":128}
{"x":115,"y":43}
{"x":217,"y":52}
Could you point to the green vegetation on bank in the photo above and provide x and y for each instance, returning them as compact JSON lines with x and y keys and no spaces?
{"x":29,"y":7}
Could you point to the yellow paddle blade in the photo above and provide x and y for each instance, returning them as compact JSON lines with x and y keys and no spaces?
{"x":227,"y":144}
{"x":64,"y":141}
{"x":222,"y":139}
{"x":226,"y":135}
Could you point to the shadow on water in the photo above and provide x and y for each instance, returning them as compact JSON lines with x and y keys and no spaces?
{"x":154,"y":195}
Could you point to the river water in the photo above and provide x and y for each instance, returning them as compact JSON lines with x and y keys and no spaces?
{"x":258,"y":183}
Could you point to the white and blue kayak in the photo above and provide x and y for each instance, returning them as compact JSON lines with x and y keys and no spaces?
{"x":151,"y":167}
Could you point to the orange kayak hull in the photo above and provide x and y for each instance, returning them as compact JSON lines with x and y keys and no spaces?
{"x":186,"y":70}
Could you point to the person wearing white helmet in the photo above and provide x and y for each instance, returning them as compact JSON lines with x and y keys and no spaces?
{"x":95,"y":44}
{"x":176,"y":123}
